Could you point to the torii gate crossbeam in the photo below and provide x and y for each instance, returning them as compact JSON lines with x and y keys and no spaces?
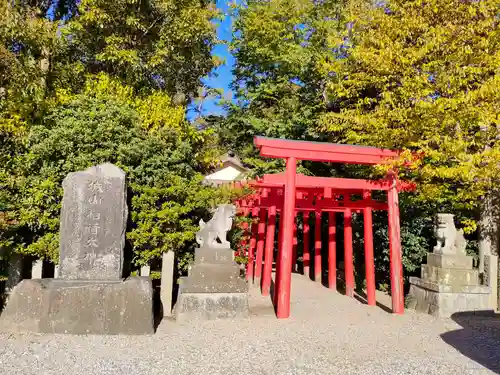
{"x":292,"y":151}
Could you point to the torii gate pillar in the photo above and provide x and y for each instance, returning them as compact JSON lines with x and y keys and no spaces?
{"x":283,"y":285}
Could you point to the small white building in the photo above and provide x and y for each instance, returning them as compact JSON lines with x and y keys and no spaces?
{"x":230,"y":169}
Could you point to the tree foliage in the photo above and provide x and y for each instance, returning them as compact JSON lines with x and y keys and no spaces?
{"x":86,"y":82}
{"x":163,"y":44}
{"x":423,"y":76}
{"x":420,"y":76}
{"x":104,"y":124}
{"x":280,"y":90}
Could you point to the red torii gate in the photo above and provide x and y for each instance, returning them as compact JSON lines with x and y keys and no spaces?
{"x":300,"y":193}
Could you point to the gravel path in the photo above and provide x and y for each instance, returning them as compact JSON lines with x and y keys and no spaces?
{"x":327,"y":334}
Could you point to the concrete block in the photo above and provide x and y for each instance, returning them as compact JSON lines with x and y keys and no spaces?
{"x":80,"y":307}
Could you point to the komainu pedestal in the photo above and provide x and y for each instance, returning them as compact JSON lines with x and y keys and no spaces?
{"x":214,"y":288}
{"x":448,"y":283}
{"x":90,"y":296}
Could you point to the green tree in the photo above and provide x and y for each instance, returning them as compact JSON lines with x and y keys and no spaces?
{"x":161,"y":44}
{"x":83,"y":82}
{"x":277,"y":45}
{"x":294,"y":60}
{"x":424,"y":76}
{"x":105,"y":124}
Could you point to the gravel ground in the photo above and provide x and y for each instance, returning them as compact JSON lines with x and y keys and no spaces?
{"x":327,"y":334}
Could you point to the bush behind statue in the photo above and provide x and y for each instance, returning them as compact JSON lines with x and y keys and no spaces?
{"x":166,"y":198}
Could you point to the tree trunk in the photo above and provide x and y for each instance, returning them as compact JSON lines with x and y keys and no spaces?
{"x":45,"y":66}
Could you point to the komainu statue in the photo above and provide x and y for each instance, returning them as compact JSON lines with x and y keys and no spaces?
{"x":217,"y":227}
{"x":449,"y":239}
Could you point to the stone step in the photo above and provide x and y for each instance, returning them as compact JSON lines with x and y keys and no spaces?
{"x":449,"y":261}
{"x":451,"y":276}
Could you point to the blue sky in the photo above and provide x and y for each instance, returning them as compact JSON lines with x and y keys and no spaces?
{"x":222,"y":76}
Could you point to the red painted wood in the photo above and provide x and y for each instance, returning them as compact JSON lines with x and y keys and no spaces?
{"x":317,"y":247}
{"x":252,"y":245}
{"x":306,"y":193}
{"x":268,"y":258}
{"x":322,"y":151}
{"x":242,"y":246}
{"x":295,"y":243}
{"x":395,"y":255}
{"x":284,"y":281}
{"x":261,"y":231}
{"x":306,"y":255}
{"x":348,"y":256}
{"x":349,"y":184}
{"x":244,"y":242}
{"x":332,"y":251}
{"x":369,"y":257}
{"x":308,"y":204}
{"x":278,"y":260}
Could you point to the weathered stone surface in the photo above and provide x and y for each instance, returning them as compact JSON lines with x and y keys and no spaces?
{"x":80,"y":307}
{"x":37,"y":269}
{"x":446,"y":304}
{"x":451,"y":276}
{"x":217,"y":227}
{"x":93,"y":223}
{"x":213,"y":288}
{"x":449,"y":261}
{"x":449,"y":288}
{"x":214,"y":279}
{"x":218,"y":256}
{"x":449,"y":239}
{"x":449,"y":283}
{"x":490,"y":278}
{"x":210,"y":306}
{"x":167,"y":282}
{"x":14,"y":271}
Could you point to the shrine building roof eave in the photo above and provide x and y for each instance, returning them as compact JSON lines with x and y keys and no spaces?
{"x":323,"y":151}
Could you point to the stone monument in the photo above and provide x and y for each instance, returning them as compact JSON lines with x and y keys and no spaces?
{"x":213,"y":288}
{"x":448,"y":282}
{"x":90,"y":295}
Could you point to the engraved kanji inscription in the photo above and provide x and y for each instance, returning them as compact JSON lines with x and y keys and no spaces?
{"x":93,"y":221}
{"x":96,"y":187}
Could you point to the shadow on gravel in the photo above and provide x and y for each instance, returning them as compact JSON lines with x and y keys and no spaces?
{"x":361,"y":297}
{"x":479,"y":339}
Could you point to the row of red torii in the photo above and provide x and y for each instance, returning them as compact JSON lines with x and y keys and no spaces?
{"x":290,"y":193}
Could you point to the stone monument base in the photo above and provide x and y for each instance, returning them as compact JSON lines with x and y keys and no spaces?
{"x":443,"y":300}
{"x":208,"y":294}
{"x":80,"y":307}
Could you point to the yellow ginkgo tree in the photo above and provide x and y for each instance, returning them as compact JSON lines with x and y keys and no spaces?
{"x":423,"y":76}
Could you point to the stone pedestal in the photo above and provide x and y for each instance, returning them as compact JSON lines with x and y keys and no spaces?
{"x":449,"y":284}
{"x":213,"y":288}
{"x":80,"y":307}
{"x":89,"y":295}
